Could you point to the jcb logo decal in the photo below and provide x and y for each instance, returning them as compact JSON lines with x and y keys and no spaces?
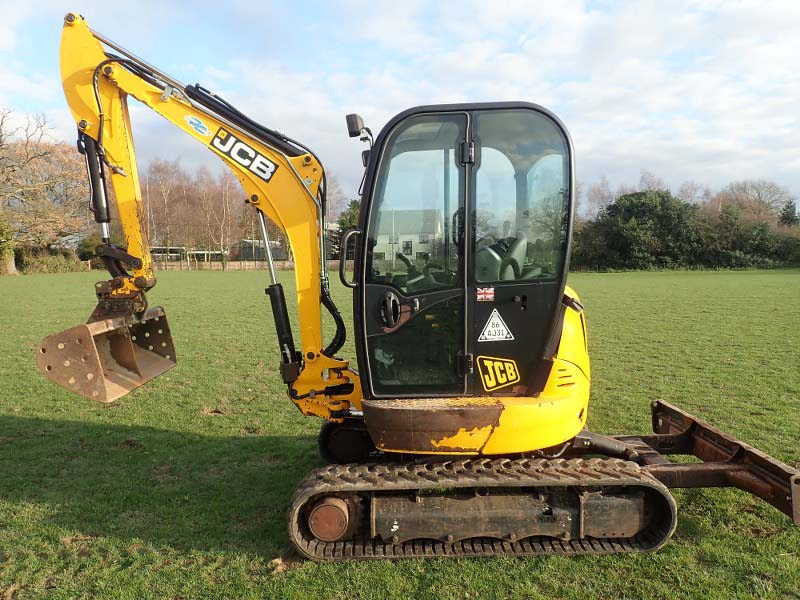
{"x":497,"y":372}
{"x":228,"y":144}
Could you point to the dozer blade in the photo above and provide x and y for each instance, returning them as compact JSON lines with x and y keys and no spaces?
{"x":105,"y":360}
{"x":726,"y":461}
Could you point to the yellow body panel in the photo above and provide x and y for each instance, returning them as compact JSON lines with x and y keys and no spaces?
{"x":550,"y":419}
{"x":574,"y":344}
{"x":501,"y":424}
{"x":559,"y":412}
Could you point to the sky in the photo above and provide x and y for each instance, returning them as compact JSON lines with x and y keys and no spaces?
{"x":703,"y":90}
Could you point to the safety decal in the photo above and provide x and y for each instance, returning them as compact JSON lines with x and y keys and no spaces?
{"x":197,"y":125}
{"x":228,"y":144}
{"x":495,"y":329}
{"x":497,"y":372}
{"x":485,"y":294}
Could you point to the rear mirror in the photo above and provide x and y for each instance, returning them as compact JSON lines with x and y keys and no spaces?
{"x":355,"y":125}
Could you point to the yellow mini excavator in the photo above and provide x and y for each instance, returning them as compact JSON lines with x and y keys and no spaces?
{"x":462,"y":433}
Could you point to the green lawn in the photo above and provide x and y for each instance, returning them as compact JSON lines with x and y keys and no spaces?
{"x":180,"y":490}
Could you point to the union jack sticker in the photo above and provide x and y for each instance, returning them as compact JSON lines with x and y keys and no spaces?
{"x":485,"y":294}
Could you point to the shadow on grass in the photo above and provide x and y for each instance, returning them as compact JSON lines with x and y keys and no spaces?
{"x":183,"y":490}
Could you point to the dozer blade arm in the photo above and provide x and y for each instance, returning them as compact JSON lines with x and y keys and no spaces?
{"x":282,"y":179}
{"x":727,"y":462}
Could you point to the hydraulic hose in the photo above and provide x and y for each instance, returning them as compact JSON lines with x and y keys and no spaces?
{"x":341,"y":332}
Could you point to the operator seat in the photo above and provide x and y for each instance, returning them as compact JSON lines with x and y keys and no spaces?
{"x":487,"y":264}
{"x":503,"y":260}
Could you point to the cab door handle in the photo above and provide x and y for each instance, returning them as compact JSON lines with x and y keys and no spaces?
{"x":390,"y":309}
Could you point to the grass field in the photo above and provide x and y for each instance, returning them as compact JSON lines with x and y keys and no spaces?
{"x":180,"y":489}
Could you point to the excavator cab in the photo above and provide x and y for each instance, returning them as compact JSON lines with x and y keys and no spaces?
{"x":466,"y":221}
{"x":460,"y":291}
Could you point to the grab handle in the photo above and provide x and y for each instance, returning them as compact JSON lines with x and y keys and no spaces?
{"x":343,"y":257}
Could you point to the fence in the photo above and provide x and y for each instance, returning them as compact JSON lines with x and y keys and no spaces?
{"x":236,"y":265}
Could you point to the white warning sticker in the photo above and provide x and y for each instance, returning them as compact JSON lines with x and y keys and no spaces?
{"x":495,"y":329}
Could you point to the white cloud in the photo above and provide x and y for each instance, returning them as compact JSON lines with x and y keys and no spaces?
{"x":13,"y":14}
{"x":690,"y":89}
{"x":18,"y":84}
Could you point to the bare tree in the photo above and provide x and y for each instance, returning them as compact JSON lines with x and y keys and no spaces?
{"x":248,"y":228}
{"x":694,"y":193}
{"x":759,"y":197}
{"x":547,"y":218}
{"x":19,"y":147}
{"x":7,"y":266}
{"x":579,"y":198}
{"x":598,"y":196}
{"x":650,"y":182}
{"x":336,"y":198}
{"x":225,"y":212}
{"x":43,"y":187}
{"x":162,"y":182}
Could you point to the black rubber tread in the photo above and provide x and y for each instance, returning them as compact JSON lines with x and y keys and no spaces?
{"x":587,"y":474}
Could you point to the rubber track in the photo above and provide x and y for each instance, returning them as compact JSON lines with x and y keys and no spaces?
{"x":589,"y":474}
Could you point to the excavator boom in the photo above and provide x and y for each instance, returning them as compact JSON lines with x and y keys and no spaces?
{"x":282,"y":179}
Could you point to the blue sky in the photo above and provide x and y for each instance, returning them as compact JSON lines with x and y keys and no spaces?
{"x":703,"y":90}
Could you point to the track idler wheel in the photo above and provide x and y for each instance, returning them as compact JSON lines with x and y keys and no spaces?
{"x":332,"y":519}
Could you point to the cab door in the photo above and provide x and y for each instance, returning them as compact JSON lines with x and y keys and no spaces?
{"x":412,"y":306}
{"x":463,"y":261}
{"x":520,"y":192}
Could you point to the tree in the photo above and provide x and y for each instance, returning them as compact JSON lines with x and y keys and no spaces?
{"x":693,"y":192}
{"x":223,"y":213}
{"x":598,"y":196}
{"x":640,"y":231}
{"x":48,"y":205}
{"x":788,"y":214}
{"x":649,"y":182}
{"x":580,"y":190}
{"x":732,"y":238}
{"x":87,"y":247}
{"x":7,"y":266}
{"x":760,"y":198}
{"x":162,"y":181}
{"x":43,"y":188}
{"x":548,"y":218}
{"x":335,"y":198}
{"x":348,"y":219}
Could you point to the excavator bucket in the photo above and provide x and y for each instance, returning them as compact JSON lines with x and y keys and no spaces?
{"x":105,"y":360}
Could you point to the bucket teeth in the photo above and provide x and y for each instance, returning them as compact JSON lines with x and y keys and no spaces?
{"x":107,"y":359}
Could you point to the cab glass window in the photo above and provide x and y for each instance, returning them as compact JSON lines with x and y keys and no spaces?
{"x":521,"y":195}
{"x":419,"y":188}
